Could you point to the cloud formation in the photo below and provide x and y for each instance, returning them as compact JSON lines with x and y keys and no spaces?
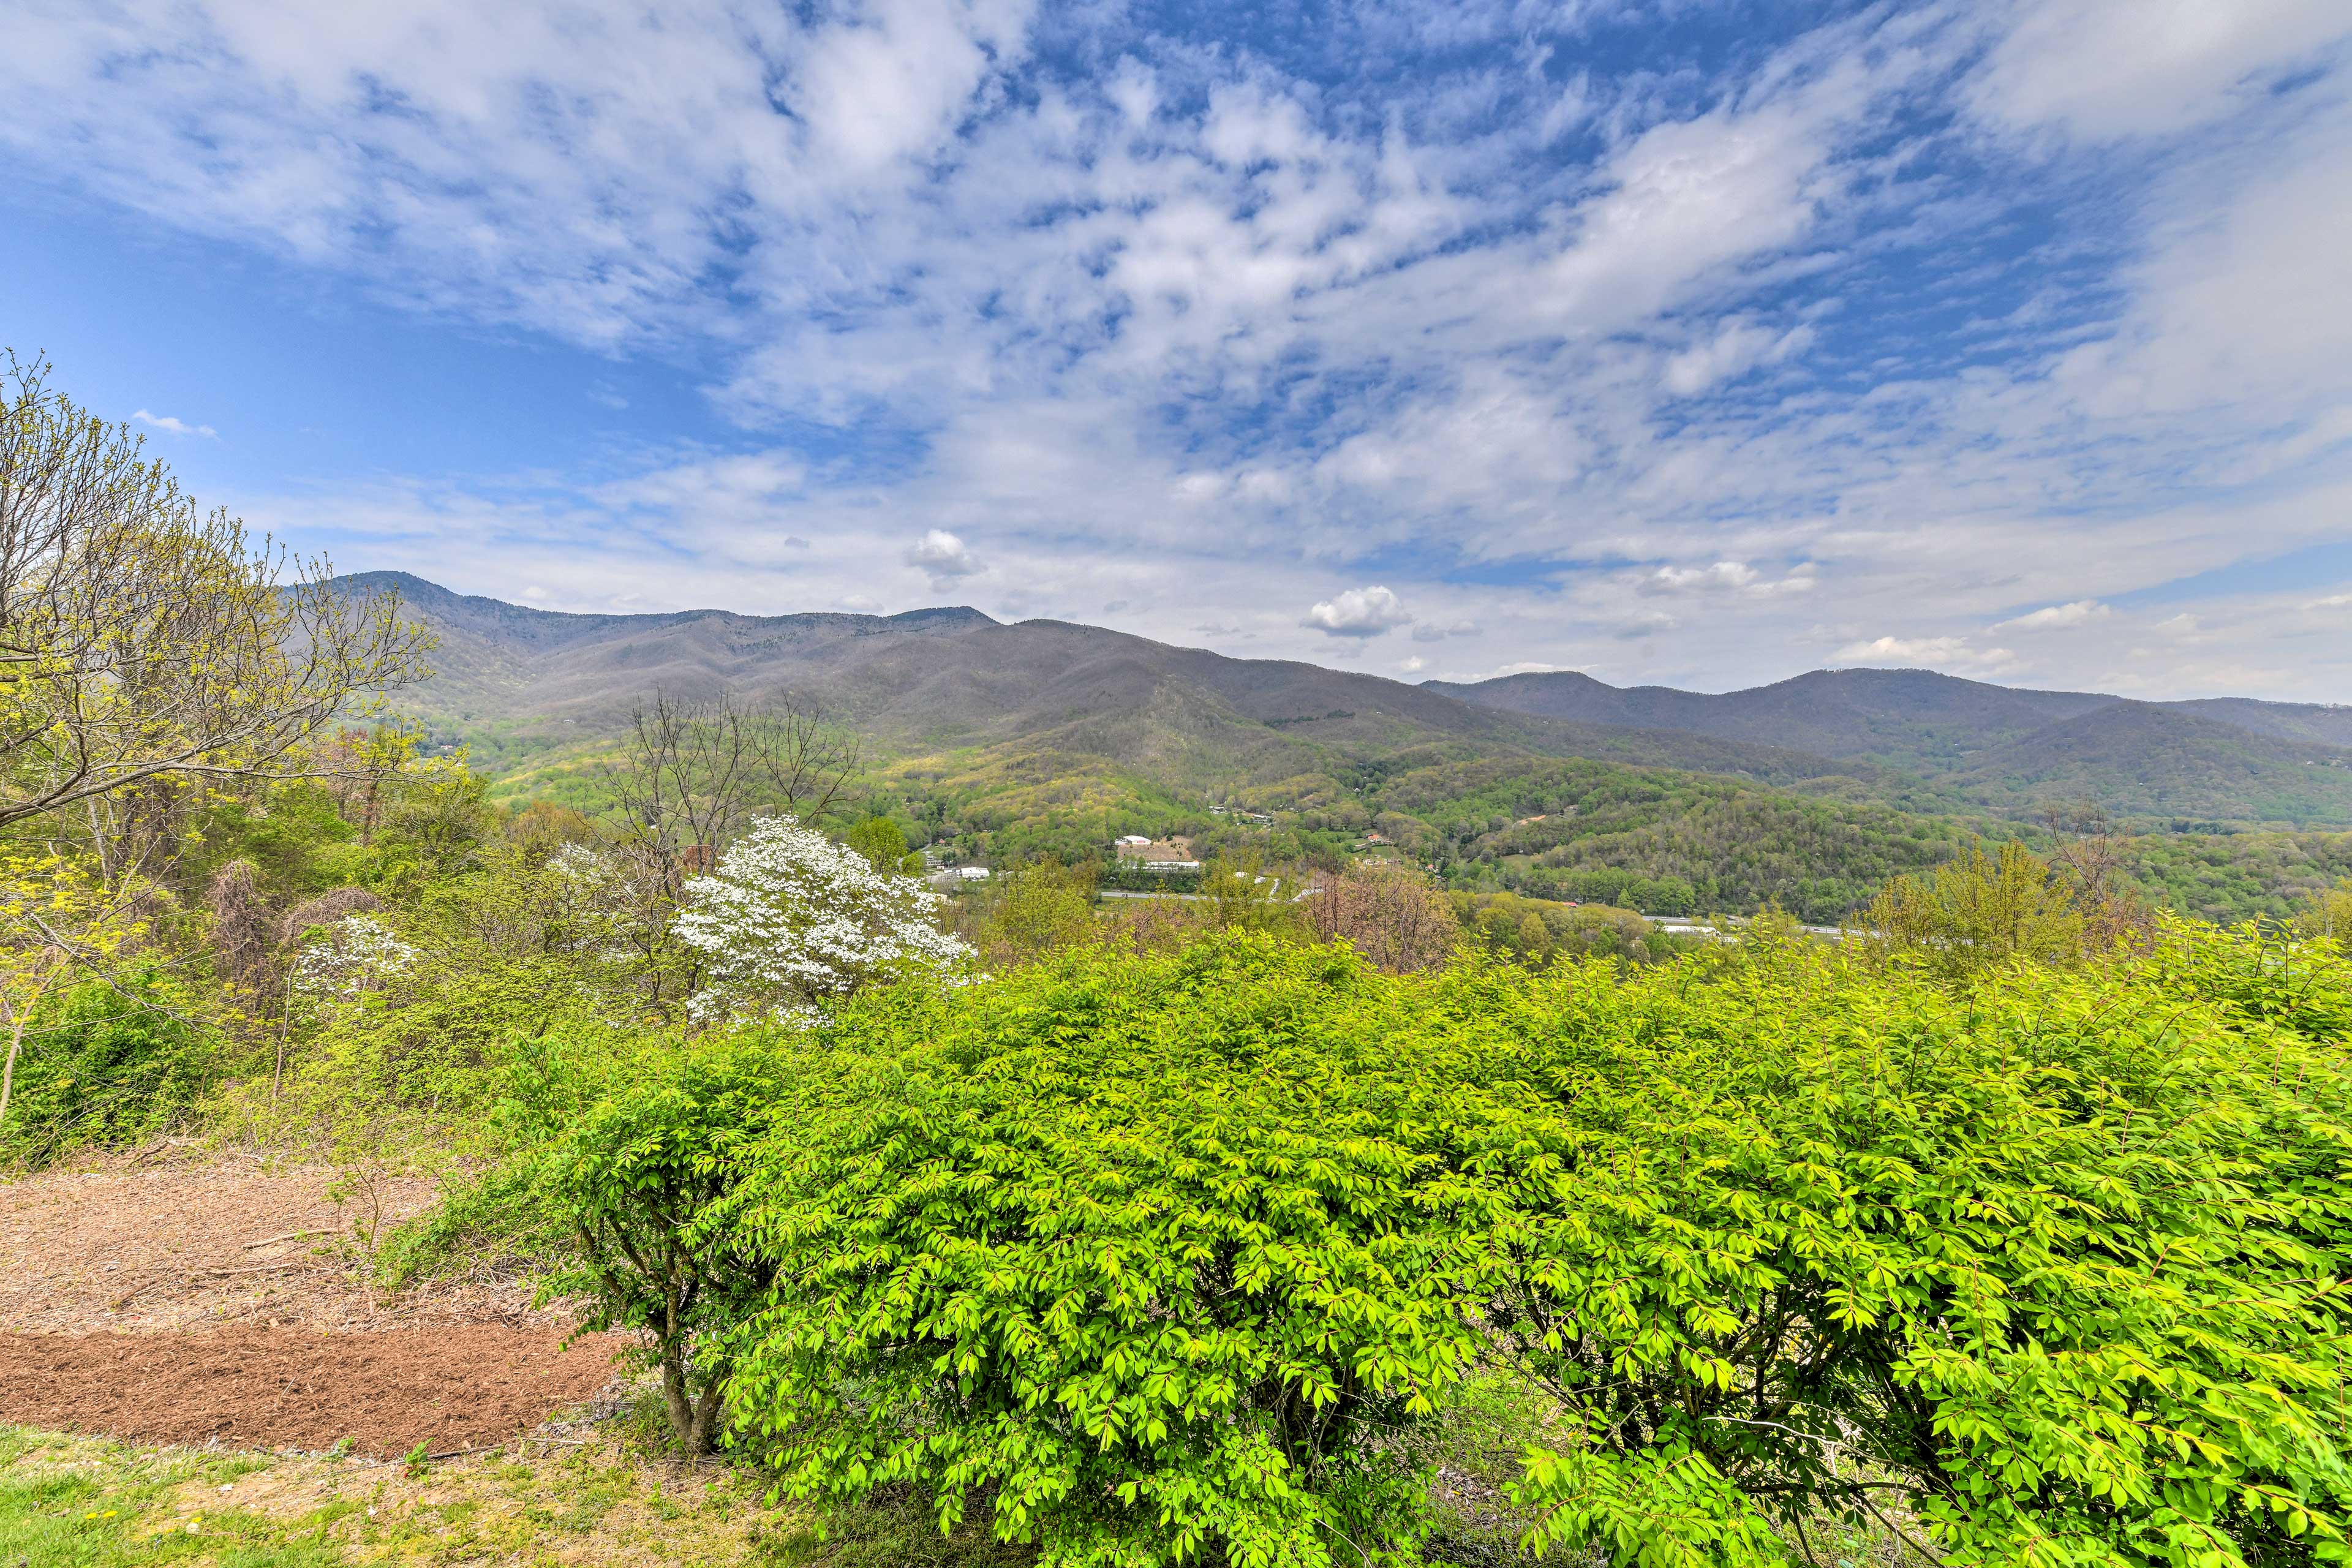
{"x":1357,"y":613}
{"x":943,"y":557}
{"x":2079,"y":612}
{"x":1575,"y":326}
{"x":176,"y":426}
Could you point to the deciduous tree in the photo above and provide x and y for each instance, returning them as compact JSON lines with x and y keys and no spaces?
{"x":1391,"y":915}
{"x":57,"y":919}
{"x":790,"y":920}
{"x":144,"y":643}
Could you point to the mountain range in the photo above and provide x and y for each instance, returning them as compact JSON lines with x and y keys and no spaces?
{"x":520,"y":683}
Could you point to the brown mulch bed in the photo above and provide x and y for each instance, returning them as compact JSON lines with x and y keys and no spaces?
{"x":199,"y":1239}
{"x":452,"y":1388}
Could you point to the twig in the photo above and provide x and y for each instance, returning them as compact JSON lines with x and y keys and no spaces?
{"x":124,"y":1299}
{"x":289,"y":1236}
{"x":279,"y":1267}
{"x":160,"y":1275}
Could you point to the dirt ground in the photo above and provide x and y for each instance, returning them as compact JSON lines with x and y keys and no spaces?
{"x":190,"y":1240}
{"x":453,"y":1390}
{"x":192,"y":1297}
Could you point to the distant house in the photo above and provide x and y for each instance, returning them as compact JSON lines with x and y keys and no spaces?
{"x":1167,"y":866}
{"x":1154,"y":850}
{"x":971,"y":873}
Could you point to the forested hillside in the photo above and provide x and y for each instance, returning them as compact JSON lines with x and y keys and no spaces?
{"x":1048,"y":738}
{"x":1999,"y":749}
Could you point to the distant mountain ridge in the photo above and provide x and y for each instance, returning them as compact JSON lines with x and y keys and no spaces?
{"x":952,"y":678}
{"x":932,"y":681}
{"x":2002,"y":746}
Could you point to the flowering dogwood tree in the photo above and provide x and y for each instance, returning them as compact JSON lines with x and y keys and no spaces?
{"x":790,"y":919}
{"x":357,"y":954}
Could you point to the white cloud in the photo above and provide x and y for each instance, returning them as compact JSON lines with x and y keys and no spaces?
{"x":943,"y":557}
{"x":1725,"y":577}
{"x":176,"y":427}
{"x":1429,"y":631}
{"x":2120,"y":67}
{"x":1722,"y":577}
{"x":1413,"y":665}
{"x":2079,"y":612}
{"x":1251,"y":320}
{"x":1933,"y":652}
{"x":1737,"y":347}
{"x":1357,"y":613}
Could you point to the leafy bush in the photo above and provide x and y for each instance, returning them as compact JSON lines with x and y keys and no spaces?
{"x":1158,"y":1257}
{"x":1154,"y":1254}
{"x":1029,"y":910}
{"x":2259,"y":973}
{"x":2052,"y":1270}
{"x":104,"y":1065}
{"x":1977,"y":911}
{"x":884,"y":845}
{"x":637,"y":1155}
{"x":2328,"y":912}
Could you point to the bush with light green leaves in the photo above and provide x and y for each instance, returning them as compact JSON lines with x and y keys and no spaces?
{"x":1151,"y":1259}
{"x":2048,"y":1276}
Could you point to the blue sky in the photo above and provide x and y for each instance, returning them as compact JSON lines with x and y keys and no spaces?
{"x":1689,"y":342}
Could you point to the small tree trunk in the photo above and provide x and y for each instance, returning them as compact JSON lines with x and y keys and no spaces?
{"x":677,"y":1394}
{"x":8,"y":1074}
{"x":705,"y":1437}
{"x":285,"y":1026}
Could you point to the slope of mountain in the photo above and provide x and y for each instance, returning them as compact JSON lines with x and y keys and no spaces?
{"x":518,"y":681}
{"x":502,"y":661}
{"x":1025,"y":699}
{"x":2144,"y":759}
{"x":1905,"y":718}
{"x":2327,"y":724}
{"x":2227,"y":758}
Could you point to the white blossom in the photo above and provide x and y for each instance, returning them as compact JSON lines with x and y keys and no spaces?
{"x":593,"y":899}
{"x":790,"y":919}
{"x":356,"y":954}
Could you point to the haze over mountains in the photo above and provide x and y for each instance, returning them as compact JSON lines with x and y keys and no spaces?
{"x":947,"y":679}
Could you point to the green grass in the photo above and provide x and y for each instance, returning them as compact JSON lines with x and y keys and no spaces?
{"x":67,"y":1502}
{"x":81,"y":1502}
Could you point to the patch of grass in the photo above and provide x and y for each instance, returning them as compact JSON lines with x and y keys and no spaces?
{"x":69,"y":1502}
{"x":82,"y":1502}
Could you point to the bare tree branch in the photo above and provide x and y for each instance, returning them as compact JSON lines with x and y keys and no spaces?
{"x":141,"y":641}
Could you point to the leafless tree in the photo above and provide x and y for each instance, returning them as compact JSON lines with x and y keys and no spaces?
{"x":1390,"y":914}
{"x":2090,"y":852}
{"x":692,"y":772}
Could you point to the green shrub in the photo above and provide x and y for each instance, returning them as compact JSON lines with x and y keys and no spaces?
{"x":1159,"y":1258}
{"x":103,"y":1066}
{"x":637,"y":1155}
{"x":2053,"y":1271}
{"x":2259,"y":972}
